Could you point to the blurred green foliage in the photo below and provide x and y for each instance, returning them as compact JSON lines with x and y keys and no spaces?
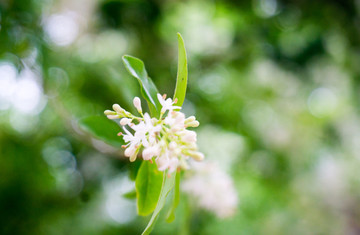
{"x":282,"y":76}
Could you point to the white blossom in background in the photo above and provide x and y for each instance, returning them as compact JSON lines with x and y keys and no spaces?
{"x":330,"y":178}
{"x":62,"y":29}
{"x":214,"y":142}
{"x":165,"y":139}
{"x":212,"y":188}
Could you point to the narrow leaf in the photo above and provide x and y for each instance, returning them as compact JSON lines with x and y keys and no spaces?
{"x":148,"y":186}
{"x":148,"y":89}
{"x":103,"y":129}
{"x":182,"y":73}
{"x":167,"y":185}
{"x":176,"y":199}
{"x":130,"y":195}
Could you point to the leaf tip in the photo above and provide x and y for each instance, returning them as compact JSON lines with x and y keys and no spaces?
{"x":179,"y":36}
{"x":125,"y":57}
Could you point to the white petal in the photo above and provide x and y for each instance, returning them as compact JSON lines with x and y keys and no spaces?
{"x":161,"y":99}
{"x":125,"y":121}
{"x":129,"y":151}
{"x":173,"y":164}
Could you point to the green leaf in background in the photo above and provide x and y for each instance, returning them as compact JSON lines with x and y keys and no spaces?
{"x":182,"y":73}
{"x":167,"y":185}
{"x":148,"y":89}
{"x":176,"y":199}
{"x":103,"y":129}
{"x":148,"y":186}
{"x":130,"y":195}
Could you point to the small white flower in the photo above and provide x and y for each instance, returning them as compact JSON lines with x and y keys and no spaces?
{"x":176,"y":121}
{"x":128,"y":137}
{"x":150,"y":152}
{"x":149,"y":123}
{"x":166,"y":104}
{"x":140,"y":133}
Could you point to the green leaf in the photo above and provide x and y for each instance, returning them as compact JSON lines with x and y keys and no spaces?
{"x":167,"y":185}
{"x":130,"y":195}
{"x":103,"y":129}
{"x":176,"y":199}
{"x":148,"y":89}
{"x":182,"y":73}
{"x":148,"y":186}
{"x":134,"y":168}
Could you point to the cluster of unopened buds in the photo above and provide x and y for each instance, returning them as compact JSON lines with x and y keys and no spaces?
{"x":164,"y":139}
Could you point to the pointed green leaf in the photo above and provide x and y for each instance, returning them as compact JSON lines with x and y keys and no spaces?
{"x":130,"y":195}
{"x":182,"y":73}
{"x":176,"y":199}
{"x":148,"y":89}
{"x":148,"y":186}
{"x":167,"y":185}
{"x":103,"y":129}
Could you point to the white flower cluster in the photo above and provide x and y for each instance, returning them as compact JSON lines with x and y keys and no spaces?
{"x":166,"y":138}
{"x":212,"y":188}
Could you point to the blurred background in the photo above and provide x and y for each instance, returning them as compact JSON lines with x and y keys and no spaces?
{"x":275,"y":85}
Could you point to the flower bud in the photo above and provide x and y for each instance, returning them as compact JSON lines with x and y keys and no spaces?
{"x":190,"y":119}
{"x":133,"y":157}
{"x":193,"y":124}
{"x":112,"y":116}
{"x":137,"y":104}
{"x":109,"y":112}
{"x":196,"y":155}
{"x":117,"y":108}
{"x":125,"y":121}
